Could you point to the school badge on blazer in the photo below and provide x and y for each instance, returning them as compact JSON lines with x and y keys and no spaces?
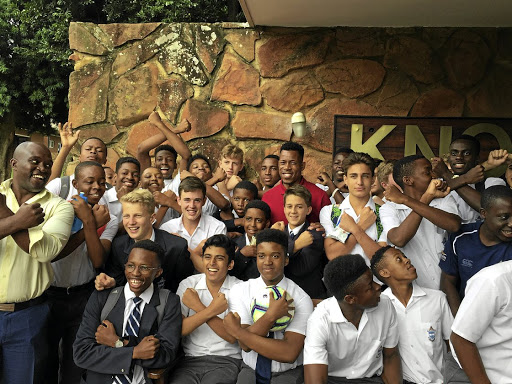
{"x":431,"y":334}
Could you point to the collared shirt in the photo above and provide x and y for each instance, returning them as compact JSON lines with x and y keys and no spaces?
{"x":296,"y":230}
{"x":484,"y":317}
{"x":423,"y":325}
{"x":203,"y":341}
{"x":113,"y":204}
{"x":207,"y":227}
{"x":138,"y":372}
{"x":24,"y":276}
{"x":55,"y":186}
{"x":466,"y":213}
{"x":426,"y":246}
{"x":241,"y":303}
{"x":348,"y":351}
{"x":346,"y":207}
{"x":76,"y":268}
{"x":274,"y":198}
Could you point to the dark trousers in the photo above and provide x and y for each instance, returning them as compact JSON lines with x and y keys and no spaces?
{"x":66,"y":312}
{"x":22,"y":343}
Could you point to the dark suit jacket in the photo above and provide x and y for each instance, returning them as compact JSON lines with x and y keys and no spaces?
{"x":176,"y":264}
{"x":245,"y":268}
{"x":102,"y":362}
{"x":306,"y":266}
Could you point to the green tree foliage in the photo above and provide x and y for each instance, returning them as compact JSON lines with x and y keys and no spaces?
{"x":34,"y":66}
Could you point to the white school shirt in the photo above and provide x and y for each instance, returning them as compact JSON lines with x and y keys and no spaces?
{"x":466,"y":213}
{"x":207,"y":227}
{"x":346,"y":207}
{"x":426,"y":246}
{"x":240,"y":302}
{"x":114,"y":205}
{"x":326,"y":188}
{"x":208,"y":208}
{"x":76,"y":268}
{"x":203,"y":341}
{"x":484,"y":319}
{"x":423,"y":326}
{"x":138,"y":372}
{"x":349,"y":352}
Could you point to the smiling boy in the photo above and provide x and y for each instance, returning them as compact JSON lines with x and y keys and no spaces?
{"x":86,"y":250}
{"x":131,"y":339}
{"x":211,"y":354}
{"x":269,"y":357}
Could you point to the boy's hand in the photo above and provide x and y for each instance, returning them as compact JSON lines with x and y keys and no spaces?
{"x":233,"y":181}
{"x":347,"y":223}
{"x":185,"y":174}
{"x":437,"y":189}
{"x":439,"y":168}
{"x":496,"y":158}
{"x":191,"y":300}
{"x":104,"y":281}
{"x":68,"y":138}
{"x":304,"y":240}
{"x":279,"y":308}
{"x":367,"y":218}
{"x":183,"y":126}
{"x":279,"y":225}
{"x":392,"y":193}
{"x":219,"y":174}
{"x":147,"y":348}
{"x":232,"y":324}
{"x":101,"y":215}
{"x":106,"y":334}
{"x":249,"y":251}
{"x":219,"y":304}
{"x":123,"y":191}
{"x":474,"y":175}
{"x":29,"y":215}
{"x":81,"y":207}
{"x":316,"y":227}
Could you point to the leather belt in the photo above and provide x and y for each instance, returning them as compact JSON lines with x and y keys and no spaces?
{"x":69,"y":290}
{"x":14,"y":307}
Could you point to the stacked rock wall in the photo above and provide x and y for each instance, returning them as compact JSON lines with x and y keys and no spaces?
{"x":237,"y":84}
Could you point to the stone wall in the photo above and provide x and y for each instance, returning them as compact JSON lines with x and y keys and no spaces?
{"x":236,"y":84}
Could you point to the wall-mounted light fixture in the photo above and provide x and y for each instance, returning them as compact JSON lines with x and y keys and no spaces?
{"x":299,"y":124}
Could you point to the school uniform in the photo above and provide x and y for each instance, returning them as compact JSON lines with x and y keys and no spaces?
{"x":206,"y":353}
{"x":245,"y":268}
{"x":348,"y":352}
{"x":424,"y":324}
{"x":206,"y":228}
{"x":240,"y":302}
{"x":484,"y":317}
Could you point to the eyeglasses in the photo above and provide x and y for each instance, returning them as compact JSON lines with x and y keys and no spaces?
{"x":144,"y":269}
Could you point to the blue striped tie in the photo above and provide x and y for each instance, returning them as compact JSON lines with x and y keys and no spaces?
{"x":131,"y":329}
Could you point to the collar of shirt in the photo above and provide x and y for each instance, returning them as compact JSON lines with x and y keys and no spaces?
{"x":181,"y":227}
{"x":346,"y":206}
{"x":281,"y":187}
{"x":417,"y":291}
{"x":145,"y":296}
{"x":247,"y":241}
{"x":235,"y":214}
{"x":226,"y":285}
{"x":152,"y":238}
{"x":337,"y":316}
{"x":296,"y":230}
{"x":283,"y":283}
{"x":5,"y":187}
{"x":111,"y":195}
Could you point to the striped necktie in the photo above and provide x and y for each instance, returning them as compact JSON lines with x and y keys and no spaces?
{"x":131,"y":329}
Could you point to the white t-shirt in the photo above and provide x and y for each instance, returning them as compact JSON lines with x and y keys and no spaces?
{"x":349,"y":352}
{"x":426,"y":246}
{"x":484,"y":319}
{"x":207,"y":227}
{"x":203,"y":341}
{"x":240,"y":302}
{"x":423,"y":326}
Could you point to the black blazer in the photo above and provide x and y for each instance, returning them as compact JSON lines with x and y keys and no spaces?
{"x":176,"y":264}
{"x":306,"y":267}
{"x":102,"y":362}
{"x":245,"y":268}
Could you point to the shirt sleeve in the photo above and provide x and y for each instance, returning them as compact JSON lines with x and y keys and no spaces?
{"x":185,"y":311}
{"x":449,"y":205}
{"x":240,"y":302}
{"x":325,"y":219}
{"x":54,"y":186}
{"x":48,"y":240}
{"x":111,"y":229}
{"x":449,"y":262}
{"x":303,"y":310}
{"x":389,"y":219}
{"x":480,"y":304}
{"x":490,"y":181}
{"x":392,"y":335}
{"x":315,"y":345}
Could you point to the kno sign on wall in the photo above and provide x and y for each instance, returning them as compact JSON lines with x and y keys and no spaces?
{"x":396,"y":137}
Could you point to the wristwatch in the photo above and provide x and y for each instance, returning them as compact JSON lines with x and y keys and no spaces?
{"x":119,"y":343}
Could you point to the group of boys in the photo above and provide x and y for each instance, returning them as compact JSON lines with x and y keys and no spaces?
{"x":206,"y":240}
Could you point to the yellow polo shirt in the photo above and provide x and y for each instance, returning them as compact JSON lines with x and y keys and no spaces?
{"x":25,"y":276}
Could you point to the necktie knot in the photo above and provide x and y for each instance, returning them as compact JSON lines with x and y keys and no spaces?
{"x":137,"y":300}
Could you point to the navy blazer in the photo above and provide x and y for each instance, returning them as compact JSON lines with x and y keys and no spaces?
{"x":245,"y":268}
{"x":176,"y":264}
{"x":306,"y":267}
{"x":102,"y":362}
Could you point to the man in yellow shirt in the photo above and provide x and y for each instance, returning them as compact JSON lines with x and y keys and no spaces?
{"x":34,"y":227}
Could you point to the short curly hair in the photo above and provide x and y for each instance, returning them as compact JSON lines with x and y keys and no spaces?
{"x":341,"y":273}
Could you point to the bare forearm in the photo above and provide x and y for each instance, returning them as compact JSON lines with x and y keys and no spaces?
{"x":369,"y":246}
{"x":95,"y":249}
{"x":191,"y":323}
{"x":216,"y":324}
{"x":145,"y":147}
{"x":315,"y":374}
{"x":58,"y":164}
{"x":392,"y":369}
{"x":195,"y":256}
{"x":216,"y":198}
{"x":74,"y":241}
{"x":401,"y":235}
{"x":335,"y":248}
{"x":438,"y":217}
{"x":449,"y":287}
{"x":470,"y":359}
{"x":471,"y":196}
{"x":274,"y":349}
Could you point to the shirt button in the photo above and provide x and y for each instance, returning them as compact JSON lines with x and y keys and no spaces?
{"x":122,"y":370}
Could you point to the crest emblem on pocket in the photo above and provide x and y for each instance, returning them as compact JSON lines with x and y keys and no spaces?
{"x":431,"y":334}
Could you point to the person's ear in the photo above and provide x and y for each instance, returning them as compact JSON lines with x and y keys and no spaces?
{"x":152,"y":218}
{"x":286,"y":260}
{"x":407,"y":180}
{"x":384,"y":273}
{"x":231,"y":265}
{"x":73,"y":182}
{"x":159,"y":272}
{"x":483,"y":214}
{"x":13,"y":162}
{"x":310,"y":208}
{"x":349,"y":299}
{"x":267,"y":224}
{"x":303,"y":166}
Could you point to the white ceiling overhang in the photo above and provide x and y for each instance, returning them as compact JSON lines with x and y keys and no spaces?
{"x":378,"y":13}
